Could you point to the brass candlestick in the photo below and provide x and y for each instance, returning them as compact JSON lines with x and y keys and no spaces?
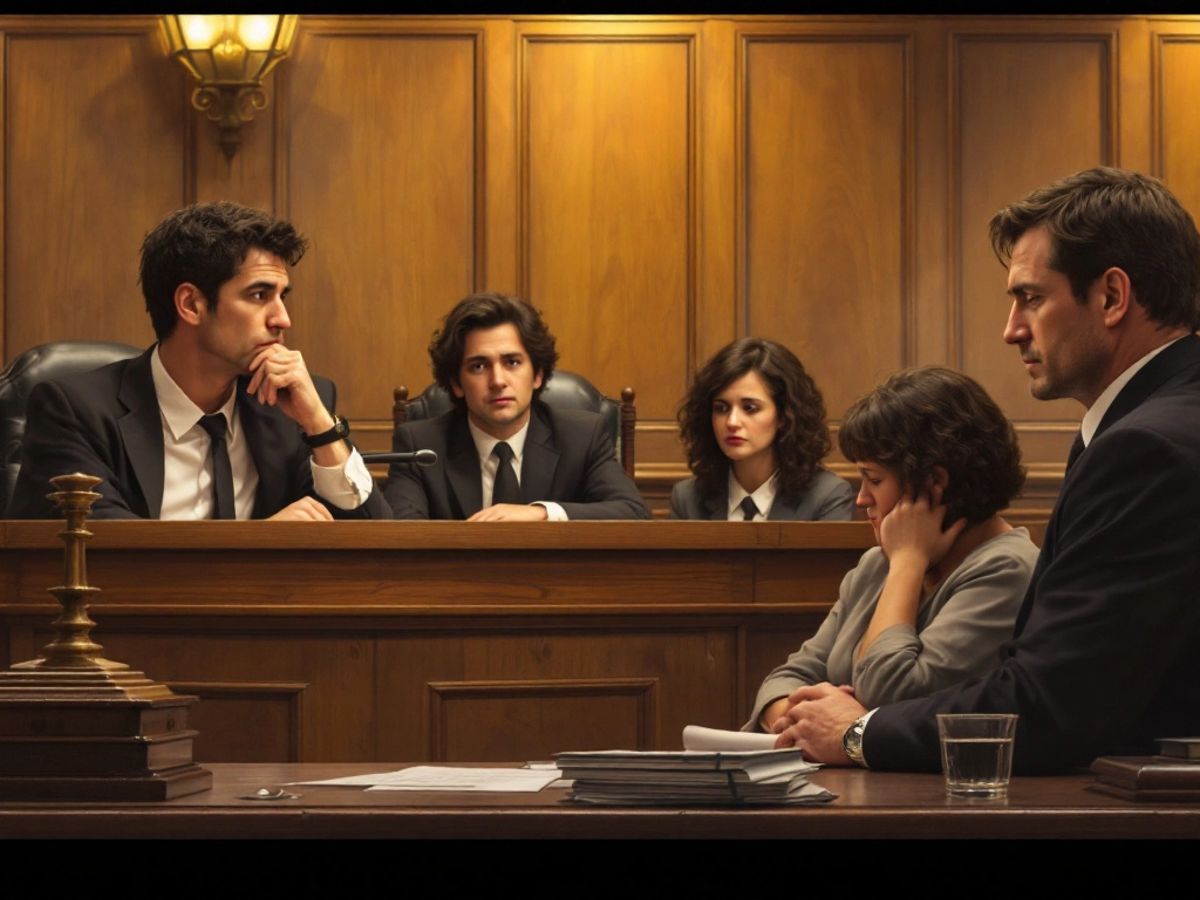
{"x":72,"y":647}
{"x":76,"y":726}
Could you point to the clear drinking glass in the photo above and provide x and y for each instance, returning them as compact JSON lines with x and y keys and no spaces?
{"x":977,"y":753}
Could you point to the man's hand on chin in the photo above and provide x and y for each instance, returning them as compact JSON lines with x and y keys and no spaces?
{"x":510,"y":512}
{"x":278,"y":376}
{"x":818,"y":718}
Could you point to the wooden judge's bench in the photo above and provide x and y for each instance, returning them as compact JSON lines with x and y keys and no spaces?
{"x":443,"y":641}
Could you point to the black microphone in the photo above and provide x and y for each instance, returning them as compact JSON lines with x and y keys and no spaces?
{"x":419,"y":457}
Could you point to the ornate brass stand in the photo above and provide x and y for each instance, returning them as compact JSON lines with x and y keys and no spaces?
{"x":76,"y":726}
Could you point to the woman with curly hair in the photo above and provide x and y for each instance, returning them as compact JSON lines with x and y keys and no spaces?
{"x":931,"y":604}
{"x":753,"y":424}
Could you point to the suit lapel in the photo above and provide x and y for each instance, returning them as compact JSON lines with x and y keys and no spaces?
{"x":141,"y":431}
{"x":781,"y":511}
{"x":462,"y":468}
{"x":539,"y":460}
{"x":1183,"y":353}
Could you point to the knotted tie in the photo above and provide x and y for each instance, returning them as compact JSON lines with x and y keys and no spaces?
{"x":505,"y":489}
{"x":749,"y":510}
{"x":222,"y":470}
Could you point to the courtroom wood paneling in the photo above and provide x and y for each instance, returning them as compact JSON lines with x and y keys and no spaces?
{"x":1026,"y":109}
{"x":1176,"y":131}
{"x":266,"y":720}
{"x":608,"y":167}
{"x":93,"y":158}
{"x":293,"y":696}
{"x":692,"y":672}
{"x":501,"y":720}
{"x":382,"y":154}
{"x":826,"y":138}
{"x":248,"y":178}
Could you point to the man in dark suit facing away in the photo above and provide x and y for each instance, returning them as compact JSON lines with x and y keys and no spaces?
{"x":1104,"y":276}
{"x":502,"y":453}
{"x":218,"y":419}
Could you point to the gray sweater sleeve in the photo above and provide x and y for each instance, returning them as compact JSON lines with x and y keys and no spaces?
{"x":806,"y":665}
{"x":957,"y":635}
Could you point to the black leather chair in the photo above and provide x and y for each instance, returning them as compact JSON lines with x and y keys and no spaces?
{"x":42,"y":363}
{"x":564,"y":390}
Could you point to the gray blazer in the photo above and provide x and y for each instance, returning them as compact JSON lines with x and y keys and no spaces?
{"x":827,"y":497}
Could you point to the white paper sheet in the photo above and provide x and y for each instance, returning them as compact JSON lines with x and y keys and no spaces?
{"x":446,"y":778}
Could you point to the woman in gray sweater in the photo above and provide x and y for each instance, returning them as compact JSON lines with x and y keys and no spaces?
{"x":934,"y":601}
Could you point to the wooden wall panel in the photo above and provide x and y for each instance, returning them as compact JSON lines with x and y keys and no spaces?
{"x":1177,"y":128}
{"x":381,"y":156}
{"x":607,"y":163}
{"x":826,"y":153}
{"x":94,"y":159}
{"x":1026,"y":109}
{"x":689,"y":673}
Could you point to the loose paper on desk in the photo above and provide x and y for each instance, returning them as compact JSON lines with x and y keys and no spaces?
{"x":445,"y":778}
{"x":697,"y":737}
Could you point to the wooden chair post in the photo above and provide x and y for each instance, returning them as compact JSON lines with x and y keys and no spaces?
{"x":628,"y":427}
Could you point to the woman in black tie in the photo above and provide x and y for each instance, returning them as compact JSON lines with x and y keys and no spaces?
{"x":753,"y":424}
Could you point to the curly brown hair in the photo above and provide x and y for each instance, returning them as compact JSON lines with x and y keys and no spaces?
{"x":926,"y":417}
{"x":802,"y":439}
{"x":487,"y":310}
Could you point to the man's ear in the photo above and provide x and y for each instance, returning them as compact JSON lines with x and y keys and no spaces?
{"x":537,"y":379}
{"x":1117,"y":294}
{"x":456,"y":388}
{"x":190,"y":304}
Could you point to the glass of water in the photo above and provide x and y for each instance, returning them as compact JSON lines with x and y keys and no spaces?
{"x":977,"y":753}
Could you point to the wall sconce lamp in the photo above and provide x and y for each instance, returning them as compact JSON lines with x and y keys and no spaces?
{"x":229,"y":56}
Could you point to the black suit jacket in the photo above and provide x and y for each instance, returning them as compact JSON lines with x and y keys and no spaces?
{"x":826,"y":497}
{"x":1104,"y":656}
{"x":107,"y":423}
{"x":568,"y":459}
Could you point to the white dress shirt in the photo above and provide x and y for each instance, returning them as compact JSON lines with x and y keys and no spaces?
{"x":187,"y":461}
{"x":763,"y":498}
{"x":1092,"y":418}
{"x":490,"y":463}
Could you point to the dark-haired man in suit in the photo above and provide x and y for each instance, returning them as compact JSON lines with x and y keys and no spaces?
{"x":1104,"y":275}
{"x":502,"y":454}
{"x":218,"y":419}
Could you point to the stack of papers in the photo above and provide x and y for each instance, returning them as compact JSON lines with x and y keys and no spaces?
{"x":662,"y":778}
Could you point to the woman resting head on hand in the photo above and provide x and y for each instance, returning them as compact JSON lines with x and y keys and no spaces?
{"x":932,"y":603}
{"x":753,"y":424}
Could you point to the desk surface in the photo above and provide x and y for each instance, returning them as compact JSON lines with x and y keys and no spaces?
{"x":869,"y":805}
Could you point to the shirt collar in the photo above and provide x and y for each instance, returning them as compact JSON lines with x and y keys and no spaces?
{"x":763,"y":497}
{"x":1095,"y":414}
{"x":485,"y":443}
{"x":178,"y":410}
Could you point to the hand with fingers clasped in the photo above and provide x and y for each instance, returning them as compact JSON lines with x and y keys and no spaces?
{"x":280,"y":378}
{"x":819,"y":716}
{"x":306,"y":509}
{"x":912,"y":530}
{"x":510,"y":512}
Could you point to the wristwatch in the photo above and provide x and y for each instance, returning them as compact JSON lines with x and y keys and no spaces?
{"x":852,"y":740}
{"x":340,"y":431}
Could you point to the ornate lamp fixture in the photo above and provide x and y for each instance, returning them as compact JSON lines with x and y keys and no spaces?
{"x":229,"y":56}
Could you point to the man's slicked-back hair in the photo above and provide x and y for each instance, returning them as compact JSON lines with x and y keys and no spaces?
{"x":1104,"y":217}
{"x":487,"y":310}
{"x":204,"y":244}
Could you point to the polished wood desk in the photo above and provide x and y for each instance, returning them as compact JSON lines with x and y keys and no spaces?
{"x":450,"y":641}
{"x":869,"y":805}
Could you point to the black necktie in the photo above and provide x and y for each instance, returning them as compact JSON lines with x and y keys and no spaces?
{"x":1076,"y":449}
{"x":222,"y":470}
{"x":505,"y":489}
{"x":749,"y":510}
